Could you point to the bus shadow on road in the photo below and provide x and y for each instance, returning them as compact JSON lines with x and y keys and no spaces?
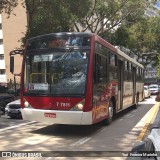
{"x":88,"y":130}
{"x":69,"y":130}
{"x":123,"y":113}
{"x":76,"y":130}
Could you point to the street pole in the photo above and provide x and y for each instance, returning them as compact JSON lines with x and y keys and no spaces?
{"x":15,"y":88}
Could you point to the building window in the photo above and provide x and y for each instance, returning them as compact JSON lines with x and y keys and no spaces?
{"x":2,"y":71}
{"x":1,"y":41}
{"x":0,"y":25}
{"x":1,"y":56}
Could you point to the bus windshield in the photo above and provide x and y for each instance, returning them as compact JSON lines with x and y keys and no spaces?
{"x":56,"y":72}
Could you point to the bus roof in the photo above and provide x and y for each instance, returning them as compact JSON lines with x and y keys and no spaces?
{"x":129,"y":58}
{"x":118,"y":51}
{"x":81,"y":34}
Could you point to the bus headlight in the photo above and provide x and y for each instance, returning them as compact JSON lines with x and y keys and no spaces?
{"x":27,"y":105}
{"x":78,"y":107}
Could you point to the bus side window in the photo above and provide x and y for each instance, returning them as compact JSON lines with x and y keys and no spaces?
{"x":112,"y":66}
{"x":100,"y":70}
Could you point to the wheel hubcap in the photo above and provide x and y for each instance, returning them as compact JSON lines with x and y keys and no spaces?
{"x":110,"y":111}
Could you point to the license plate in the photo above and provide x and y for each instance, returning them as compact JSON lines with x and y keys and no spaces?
{"x":50,"y":115}
{"x":13,"y":111}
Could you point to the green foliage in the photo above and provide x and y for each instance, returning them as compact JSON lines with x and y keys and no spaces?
{"x":142,"y":38}
{"x":158,"y":71}
{"x":53,"y":15}
{"x":106,"y":15}
{"x":7,"y":6}
{"x":99,"y":16}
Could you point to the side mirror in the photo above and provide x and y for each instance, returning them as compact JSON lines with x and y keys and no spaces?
{"x":11,"y":64}
{"x":12,"y":53}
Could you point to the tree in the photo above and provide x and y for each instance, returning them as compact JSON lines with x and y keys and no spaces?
{"x":142,"y":38}
{"x":97,"y":16}
{"x":106,"y":15}
{"x":7,"y":6}
{"x":53,"y":15}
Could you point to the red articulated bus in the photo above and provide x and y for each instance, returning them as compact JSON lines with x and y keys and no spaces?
{"x":76,"y":78}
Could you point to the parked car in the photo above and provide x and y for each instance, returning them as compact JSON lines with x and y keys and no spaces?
{"x":154,"y":88}
{"x":13,"y":109}
{"x":147,"y":92}
{"x":12,"y":90}
{"x":4,"y":99}
{"x":3,"y":89}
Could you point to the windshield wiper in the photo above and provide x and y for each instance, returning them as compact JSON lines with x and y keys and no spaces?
{"x":66,"y":54}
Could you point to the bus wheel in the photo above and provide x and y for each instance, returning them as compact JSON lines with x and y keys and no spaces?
{"x":137,"y":100}
{"x":108,"y":120}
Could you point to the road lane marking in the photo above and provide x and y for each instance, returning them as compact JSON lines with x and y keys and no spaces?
{"x":132,"y":116}
{"x":128,"y":115}
{"x":81,"y":141}
{"x":48,"y":158}
{"x":151,"y":116}
{"x":86,"y":139}
{"x":103,"y":129}
{"x":121,"y":119}
{"x":17,"y":126}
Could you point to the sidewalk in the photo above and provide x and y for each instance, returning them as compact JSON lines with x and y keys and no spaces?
{"x":152,"y":119}
{"x":148,"y":141}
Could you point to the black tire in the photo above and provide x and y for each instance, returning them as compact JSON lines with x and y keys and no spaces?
{"x":137,"y":99}
{"x":109,"y":119}
{"x":135,"y":106}
{"x":2,"y":106}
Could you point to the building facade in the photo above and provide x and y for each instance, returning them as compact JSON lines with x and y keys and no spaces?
{"x":12,"y":30}
{"x":150,"y":75}
{"x":3,"y":79}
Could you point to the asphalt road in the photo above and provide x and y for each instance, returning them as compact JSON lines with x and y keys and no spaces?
{"x":19,"y":135}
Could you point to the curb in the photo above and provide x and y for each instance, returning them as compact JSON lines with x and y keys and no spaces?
{"x":147,"y":145}
{"x":150,"y":119}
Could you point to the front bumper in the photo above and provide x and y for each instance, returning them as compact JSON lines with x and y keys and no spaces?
{"x":13,"y":112}
{"x":57,"y":117}
{"x":154,"y":92}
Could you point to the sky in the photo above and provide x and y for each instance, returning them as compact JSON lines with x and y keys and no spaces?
{"x":158,"y":4}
